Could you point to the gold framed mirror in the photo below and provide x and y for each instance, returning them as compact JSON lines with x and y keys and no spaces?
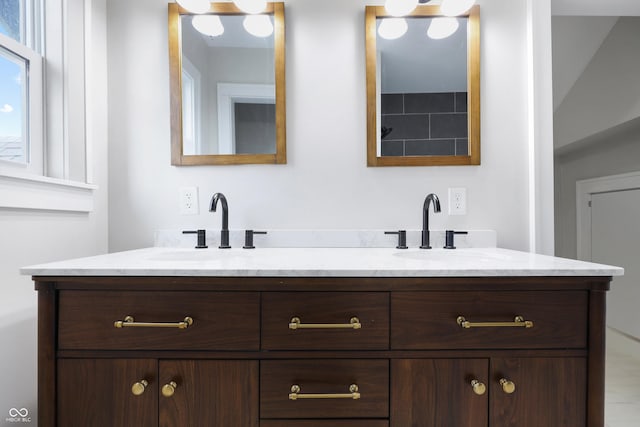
{"x":227,"y":86}
{"x":423,"y":93}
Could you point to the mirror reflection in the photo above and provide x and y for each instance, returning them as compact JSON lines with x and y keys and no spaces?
{"x":227,"y":81}
{"x":422,"y":88}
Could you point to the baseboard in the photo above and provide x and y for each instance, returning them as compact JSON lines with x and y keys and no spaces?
{"x":623,"y":343}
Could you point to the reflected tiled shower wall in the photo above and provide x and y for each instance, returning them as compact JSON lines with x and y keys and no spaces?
{"x":424,"y":124}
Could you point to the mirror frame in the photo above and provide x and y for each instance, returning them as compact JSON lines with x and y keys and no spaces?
{"x":473,"y":84}
{"x":175,"y":76}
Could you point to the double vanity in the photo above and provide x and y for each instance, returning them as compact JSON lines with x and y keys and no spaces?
{"x":321,"y":337}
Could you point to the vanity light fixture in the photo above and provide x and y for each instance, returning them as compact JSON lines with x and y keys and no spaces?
{"x":455,"y":7}
{"x":399,"y":8}
{"x":194,"y":6}
{"x":392,"y":28}
{"x":441,"y":28}
{"x":209,"y":25}
{"x":258,"y":25}
{"x":251,"y":6}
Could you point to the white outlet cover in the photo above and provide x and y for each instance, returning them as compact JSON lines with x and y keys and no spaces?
{"x":188,"y":200}
{"x":458,"y":201}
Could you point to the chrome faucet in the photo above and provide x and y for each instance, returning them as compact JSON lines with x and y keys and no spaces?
{"x":224,"y":233}
{"x":425,"y":218}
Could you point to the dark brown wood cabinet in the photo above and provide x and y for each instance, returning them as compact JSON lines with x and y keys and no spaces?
{"x":321,"y":352}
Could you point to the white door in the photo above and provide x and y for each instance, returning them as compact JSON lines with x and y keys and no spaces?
{"x":614,"y":238}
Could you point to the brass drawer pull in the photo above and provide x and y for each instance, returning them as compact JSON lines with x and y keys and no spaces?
{"x":295,"y":323}
{"x":295,"y":394}
{"x":169,"y":389}
{"x":518,"y":322}
{"x":139,"y":387}
{"x":129,"y":322}
{"x":507,"y":386}
{"x":478,"y":387}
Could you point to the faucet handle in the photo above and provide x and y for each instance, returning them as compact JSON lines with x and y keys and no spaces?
{"x":202,"y":237}
{"x":448,"y":239}
{"x":248,"y":238}
{"x":402,"y":238}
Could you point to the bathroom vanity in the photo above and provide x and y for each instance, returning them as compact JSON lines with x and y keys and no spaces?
{"x":321,"y":338}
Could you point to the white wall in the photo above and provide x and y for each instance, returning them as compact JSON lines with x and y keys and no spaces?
{"x":607,"y":94}
{"x":30,"y":237}
{"x":325,"y":183}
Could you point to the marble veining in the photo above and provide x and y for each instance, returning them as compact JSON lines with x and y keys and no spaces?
{"x":322,"y":262}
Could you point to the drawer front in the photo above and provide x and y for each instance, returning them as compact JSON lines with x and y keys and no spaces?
{"x":324,"y":377}
{"x":320,"y":423}
{"x":428,"y":320}
{"x":325,"y":320}
{"x":221,"y":321}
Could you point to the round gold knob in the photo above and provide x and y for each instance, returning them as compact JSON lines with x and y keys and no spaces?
{"x":507,"y":386}
{"x":169,"y":389}
{"x":478,"y":387}
{"x":139,"y":387}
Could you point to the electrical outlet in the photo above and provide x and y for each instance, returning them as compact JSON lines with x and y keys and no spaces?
{"x":457,"y":201}
{"x":188,"y":200}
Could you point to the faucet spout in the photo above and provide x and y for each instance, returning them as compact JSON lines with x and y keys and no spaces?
{"x":224,"y":232}
{"x":431,"y":198}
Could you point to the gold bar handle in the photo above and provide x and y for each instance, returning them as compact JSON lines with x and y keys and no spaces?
{"x":296,"y":323}
{"x":129,"y":322}
{"x":518,"y":322}
{"x":353,"y":394}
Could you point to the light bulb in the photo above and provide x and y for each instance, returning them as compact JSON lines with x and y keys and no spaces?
{"x":195,"y":6}
{"x":400,"y":7}
{"x":392,"y":28}
{"x":455,"y":7}
{"x":258,"y":25}
{"x":251,"y":6}
{"x":442,"y":28}
{"x":209,"y":25}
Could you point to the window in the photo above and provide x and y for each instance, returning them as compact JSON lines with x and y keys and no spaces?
{"x":21,"y":115}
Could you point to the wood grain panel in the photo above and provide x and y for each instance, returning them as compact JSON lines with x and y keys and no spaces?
{"x":325,"y":307}
{"x":438,"y":393}
{"x":320,"y":423}
{"x":222,"y":320}
{"x":210,"y":393}
{"x":324,"y":376}
{"x":97,"y":393}
{"x":549,"y":392}
{"x":427,"y":320}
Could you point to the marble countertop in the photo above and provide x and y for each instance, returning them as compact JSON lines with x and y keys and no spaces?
{"x":322,"y":262}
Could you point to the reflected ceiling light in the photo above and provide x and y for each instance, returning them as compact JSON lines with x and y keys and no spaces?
{"x":392,"y":28}
{"x":251,"y":6}
{"x":400,"y":7}
{"x":209,"y":25}
{"x":441,"y":28}
{"x":194,"y":6}
{"x":455,"y":7}
{"x":258,"y":25}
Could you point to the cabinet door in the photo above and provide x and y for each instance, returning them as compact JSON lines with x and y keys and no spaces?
{"x":209,"y":393}
{"x":98,"y":393}
{"x":438,"y":393}
{"x":548,"y":392}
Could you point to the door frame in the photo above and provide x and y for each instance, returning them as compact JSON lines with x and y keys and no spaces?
{"x":584,"y":190}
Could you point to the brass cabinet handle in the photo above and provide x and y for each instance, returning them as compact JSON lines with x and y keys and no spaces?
{"x":478,"y":387}
{"x":169,"y":389}
{"x":139,"y":387}
{"x":517,"y":322}
{"x":129,"y":322}
{"x":296,"y":323}
{"x":295,"y":394}
{"x":507,"y":386}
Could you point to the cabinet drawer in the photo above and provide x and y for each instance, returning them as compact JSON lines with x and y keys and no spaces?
{"x":318,"y":423}
{"x":325,"y":320}
{"x":324,"y":377}
{"x":428,"y":320}
{"x":221,"y":321}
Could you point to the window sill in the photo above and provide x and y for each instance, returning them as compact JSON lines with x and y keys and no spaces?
{"x":22,"y":191}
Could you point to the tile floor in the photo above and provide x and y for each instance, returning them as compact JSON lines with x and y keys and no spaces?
{"x":622,"y":390}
